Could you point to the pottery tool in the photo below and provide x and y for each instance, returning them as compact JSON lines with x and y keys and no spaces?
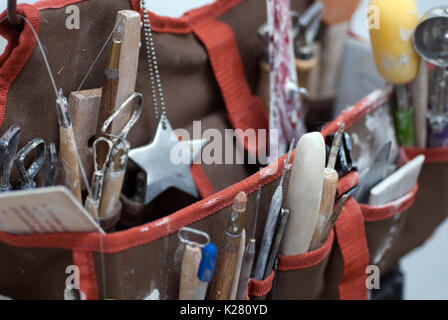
{"x":190,"y":266}
{"x":85,"y":104}
{"x":438,"y":110}
{"x":92,"y":202}
{"x":8,"y":148}
{"x":307,"y":50}
{"x":420,"y":94}
{"x":271,"y":222}
{"x":396,"y":59}
{"x":285,"y":108}
{"x":226,"y":264}
{"x":37,"y":148}
{"x":110,"y":87}
{"x":190,"y":262}
{"x":332,"y":221}
{"x":330,"y":186}
{"x":304,"y":194}
{"x":108,"y":95}
{"x":379,"y":170}
{"x":116,"y":166}
{"x":249,"y":255}
{"x":398,"y":184}
{"x":51,"y":163}
{"x":284,"y":215}
{"x":114,"y":177}
{"x":67,"y":148}
{"x":344,"y":160}
{"x":335,"y":17}
{"x":430,"y":41}
{"x":205,"y":271}
{"x":239,"y":262}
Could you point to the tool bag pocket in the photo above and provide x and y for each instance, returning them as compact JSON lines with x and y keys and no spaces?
{"x":431,"y":203}
{"x":260,"y":289}
{"x":302,"y":277}
{"x":396,"y":228}
{"x":386,"y":230}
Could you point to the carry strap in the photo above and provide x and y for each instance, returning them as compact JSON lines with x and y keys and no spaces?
{"x":351,"y":237}
{"x":245,"y":110}
{"x":18,"y":50}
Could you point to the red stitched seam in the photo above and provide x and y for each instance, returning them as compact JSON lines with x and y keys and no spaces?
{"x":306,"y":260}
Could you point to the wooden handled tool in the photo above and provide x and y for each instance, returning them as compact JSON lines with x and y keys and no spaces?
{"x":330,"y":186}
{"x":188,"y":277}
{"x":206,"y":270}
{"x":396,"y":58}
{"x":304,"y":194}
{"x":278,"y":239}
{"x":227,"y":260}
{"x":271,"y":222}
{"x":92,"y":202}
{"x":332,"y":221}
{"x":307,"y":50}
{"x":336,"y":17}
{"x":67,"y":148}
{"x":420,"y":96}
{"x":249,"y":255}
{"x":108,"y":95}
{"x":239,"y":263}
{"x":114,"y":177}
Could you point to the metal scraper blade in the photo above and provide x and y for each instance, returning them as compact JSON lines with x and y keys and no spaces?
{"x":379,"y":170}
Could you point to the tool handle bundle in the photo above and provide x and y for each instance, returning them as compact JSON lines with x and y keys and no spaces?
{"x":320,"y":237}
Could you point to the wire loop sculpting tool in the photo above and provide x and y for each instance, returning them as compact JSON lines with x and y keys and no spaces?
{"x":8,"y":148}
{"x":26,"y":180}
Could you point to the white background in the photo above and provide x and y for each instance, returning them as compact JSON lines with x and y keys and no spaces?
{"x":425,"y":268}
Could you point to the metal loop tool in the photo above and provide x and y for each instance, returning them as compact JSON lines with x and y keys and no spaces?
{"x":133,"y":119}
{"x":8,"y":148}
{"x":26,"y":180}
{"x":194,"y":231}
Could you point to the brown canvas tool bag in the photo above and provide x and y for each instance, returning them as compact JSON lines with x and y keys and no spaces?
{"x":209,"y":64}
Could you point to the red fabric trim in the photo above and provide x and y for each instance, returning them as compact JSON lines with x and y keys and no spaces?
{"x":432,"y":155}
{"x":18,"y":51}
{"x":245,"y":111}
{"x":87,"y":276}
{"x":123,"y":240}
{"x":372,"y":213}
{"x":352,"y":241}
{"x":54,"y":4}
{"x":119,"y":241}
{"x":160,"y":23}
{"x":259,"y":288}
{"x":202,"y":182}
{"x":347,"y":183}
{"x":184,"y":24}
{"x":306,"y":260}
{"x":10,"y":35}
{"x":359,"y":110}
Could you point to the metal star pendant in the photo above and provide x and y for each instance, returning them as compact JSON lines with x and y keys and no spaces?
{"x":166,"y":161}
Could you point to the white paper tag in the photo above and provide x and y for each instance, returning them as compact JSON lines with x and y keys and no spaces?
{"x":44,"y":210}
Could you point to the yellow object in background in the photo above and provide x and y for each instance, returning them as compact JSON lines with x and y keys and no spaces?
{"x":391,"y":39}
